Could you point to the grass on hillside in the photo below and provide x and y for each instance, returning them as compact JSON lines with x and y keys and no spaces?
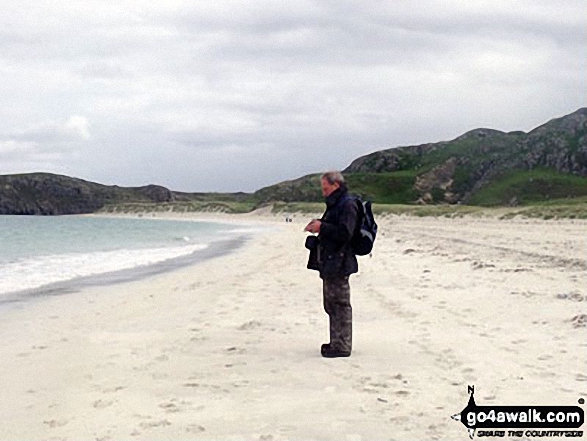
{"x":526,"y":187}
{"x":560,"y":209}
{"x":180,"y":207}
{"x":385,"y":188}
{"x":547,"y":211}
{"x":298,"y":207}
{"x":552,"y":209}
{"x":444,"y":210}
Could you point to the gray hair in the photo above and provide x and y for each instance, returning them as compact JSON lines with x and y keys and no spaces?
{"x":333,"y":177}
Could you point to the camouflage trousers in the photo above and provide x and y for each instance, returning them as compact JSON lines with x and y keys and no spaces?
{"x":337,"y":304}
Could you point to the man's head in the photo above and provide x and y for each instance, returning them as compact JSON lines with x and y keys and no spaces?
{"x":331,"y":181}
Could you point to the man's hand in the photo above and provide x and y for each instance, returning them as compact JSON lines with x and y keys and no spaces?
{"x":313,"y":226}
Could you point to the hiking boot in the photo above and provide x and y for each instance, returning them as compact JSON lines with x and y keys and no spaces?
{"x":330,"y":352}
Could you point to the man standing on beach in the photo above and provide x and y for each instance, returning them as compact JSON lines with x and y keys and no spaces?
{"x":332,"y":255}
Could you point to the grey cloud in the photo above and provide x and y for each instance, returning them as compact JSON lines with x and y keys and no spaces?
{"x":46,"y":146}
{"x":232,"y":95}
{"x":107,"y":70}
{"x":29,"y":152}
{"x":51,"y":132}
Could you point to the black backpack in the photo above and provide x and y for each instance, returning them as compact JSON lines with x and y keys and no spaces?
{"x":362,"y":241}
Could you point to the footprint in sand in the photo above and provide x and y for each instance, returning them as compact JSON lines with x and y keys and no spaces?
{"x":113,"y":389}
{"x":574,"y":296}
{"x":480,"y":265}
{"x":516,"y":270}
{"x":240,"y":383}
{"x":102,"y":404}
{"x":154,"y":424}
{"x":55,"y":423}
{"x":235,"y":350}
{"x":195,"y":428}
{"x":579,"y":321}
{"x":210,"y":387}
{"x":448,"y":360}
{"x":252,"y":324}
{"x":516,"y":342}
{"x":400,"y":419}
{"x":230,"y":365}
{"x":170,"y":407}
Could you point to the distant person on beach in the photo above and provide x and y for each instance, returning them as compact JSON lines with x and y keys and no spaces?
{"x":331,"y":254}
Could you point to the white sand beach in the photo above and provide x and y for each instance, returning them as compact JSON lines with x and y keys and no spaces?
{"x":229,"y":348}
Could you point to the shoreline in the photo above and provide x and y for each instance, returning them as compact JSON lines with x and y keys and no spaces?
{"x":215,"y":249}
{"x":229,"y":348}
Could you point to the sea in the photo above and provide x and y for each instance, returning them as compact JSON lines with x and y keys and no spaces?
{"x":38,"y":252}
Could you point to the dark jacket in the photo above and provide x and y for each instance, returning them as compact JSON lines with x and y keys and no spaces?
{"x":333,"y":255}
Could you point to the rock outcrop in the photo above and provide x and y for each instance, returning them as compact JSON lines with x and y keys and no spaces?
{"x":49,"y":194}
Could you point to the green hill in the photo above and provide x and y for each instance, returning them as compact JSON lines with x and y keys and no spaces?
{"x":481,"y":167}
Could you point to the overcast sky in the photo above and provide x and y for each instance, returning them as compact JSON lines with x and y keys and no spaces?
{"x":235,"y":95}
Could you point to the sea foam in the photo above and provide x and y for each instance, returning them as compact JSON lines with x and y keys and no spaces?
{"x":35,"y":272}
